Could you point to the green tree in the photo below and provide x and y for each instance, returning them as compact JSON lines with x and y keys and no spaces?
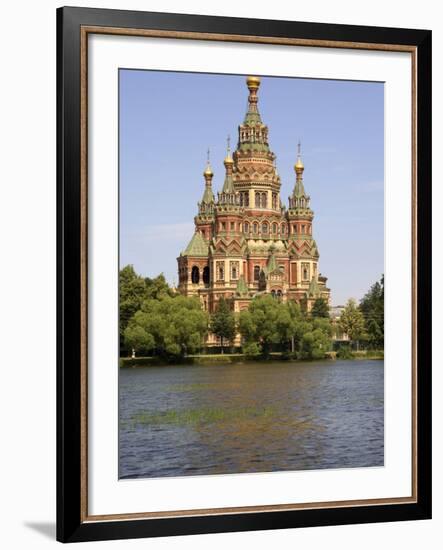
{"x":372,"y":306}
{"x":222,"y":322}
{"x":157,"y":287}
{"x":266,"y":322}
{"x":298,"y":324}
{"x":314,"y":344}
{"x":132,"y":289}
{"x":315,"y":338}
{"x":352,"y":322}
{"x":320,"y":308}
{"x":171,"y":326}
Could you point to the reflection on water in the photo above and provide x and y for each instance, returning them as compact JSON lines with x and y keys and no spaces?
{"x":251,"y":417}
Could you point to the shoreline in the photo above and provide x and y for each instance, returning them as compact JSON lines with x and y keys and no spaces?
{"x":240,"y":358}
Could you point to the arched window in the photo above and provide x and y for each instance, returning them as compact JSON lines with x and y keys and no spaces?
{"x":206,"y":275}
{"x":195,"y":275}
{"x":256,"y":273}
{"x":255,"y":227}
{"x":234,"y":270}
{"x":274,"y":228}
{"x":264,"y":200}
{"x":283,"y":228}
{"x":274,"y":201}
{"x":220,"y":271}
{"x":264,"y":228}
{"x":246,"y":227}
{"x":257,"y":200}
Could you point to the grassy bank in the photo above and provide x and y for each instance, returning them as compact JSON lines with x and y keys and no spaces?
{"x":210,"y":359}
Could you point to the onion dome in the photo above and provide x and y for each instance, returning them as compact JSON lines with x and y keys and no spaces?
{"x":253,"y":82}
{"x":299,"y":166}
{"x":208,"y":171}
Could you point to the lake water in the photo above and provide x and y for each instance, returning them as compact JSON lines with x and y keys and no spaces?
{"x":250,"y":417}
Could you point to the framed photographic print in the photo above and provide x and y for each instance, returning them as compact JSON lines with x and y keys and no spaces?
{"x":244,"y":274}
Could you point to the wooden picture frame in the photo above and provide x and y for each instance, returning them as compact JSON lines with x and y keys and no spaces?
{"x":74,"y":523}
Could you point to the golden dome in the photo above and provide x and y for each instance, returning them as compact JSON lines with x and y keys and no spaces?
{"x":253,"y":82}
{"x":299,"y":164}
{"x":208,"y":171}
{"x":228,"y":159}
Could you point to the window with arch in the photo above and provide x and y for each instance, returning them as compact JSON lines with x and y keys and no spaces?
{"x":264,"y":200}
{"x":195,"y":275}
{"x":256,"y":272}
{"x":305,"y":271}
{"x":257,"y":200}
{"x":274,"y":228}
{"x":255,"y":227}
{"x":244,"y":198}
{"x":220,"y":271}
{"x":274,"y":201}
{"x":283,"y":228}
{"x":246,"y":227}
{"x":206,"y":277}
{"x":264,"y":228}
{"x":234,"y":270}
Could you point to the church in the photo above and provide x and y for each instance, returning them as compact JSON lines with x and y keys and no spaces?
{"x":246,"y":241}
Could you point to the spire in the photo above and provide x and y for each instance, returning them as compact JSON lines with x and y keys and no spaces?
{"x":208,"y":196}
{"x":299,"y":189}
{"x":272,"y":263}
{"x":228,"y":186}
{"x":242,"y":287}
{"x":314,"y":289}
{"x":299,"y":167}
{"x":252,"y":115}
{"x":208,"y":173}
{"x":253,"y":134}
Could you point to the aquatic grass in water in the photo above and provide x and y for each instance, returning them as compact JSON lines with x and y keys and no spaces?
{"x":199,"y":416}
{"x":202,"y":386}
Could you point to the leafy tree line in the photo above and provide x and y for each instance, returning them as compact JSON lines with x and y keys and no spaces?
{"x":133,"y":291}
{"x":156,"y":319}
{"x":269,"y":321}
{"x":364,"y":323}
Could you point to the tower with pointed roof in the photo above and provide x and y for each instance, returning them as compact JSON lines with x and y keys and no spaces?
{"x":246,"y":242}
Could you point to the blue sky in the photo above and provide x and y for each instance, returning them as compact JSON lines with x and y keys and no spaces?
{"x":169,"y":119}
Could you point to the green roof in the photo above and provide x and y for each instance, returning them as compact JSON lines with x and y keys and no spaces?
{"x":242,"y":288}
{"x":197,"y":246}
{"x":250,"y":146}
{"x":208,"y":195}
{"x":252,"y":117}
{"x":228,"y":186}
{"x":314,"y":290}
{"x":272,"y":262}
{"x":299,"y":189}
